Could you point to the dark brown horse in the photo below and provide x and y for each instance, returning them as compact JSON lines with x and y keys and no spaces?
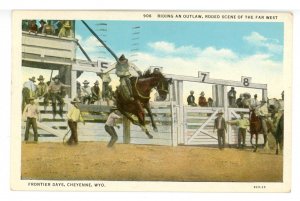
{"x":142,"y":87}
{"x":279,"y":133}
{"x":257,"y":128}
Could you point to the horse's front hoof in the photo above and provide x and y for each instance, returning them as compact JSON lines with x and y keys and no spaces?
{"x":155,"y":130}
{"x":149,"y":136}
{"x":277,"y":152}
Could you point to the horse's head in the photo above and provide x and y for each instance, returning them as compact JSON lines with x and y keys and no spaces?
{"x":162,"y":85}
{"x":273,"y":105}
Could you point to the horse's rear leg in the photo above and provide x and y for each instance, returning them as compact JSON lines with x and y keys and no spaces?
{"x":146,"y":131}
{"x":277,"y":147}
{"x":266,"y":142}
{"x":256,"y":143}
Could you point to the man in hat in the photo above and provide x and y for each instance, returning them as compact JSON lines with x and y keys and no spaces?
{"x":191,"y":99}
{"x":96,"y":93}
{"x":231,"y":97}
{"x":86,"y":92}
{"x":74,"y":116}
{"x":254,"y":102}
{"x":242,"y":123}
{"x":33,"y":28}
{"x":55,"y":90}
{"x":123,"y":72}
{"x":105,"y":83}
{"x":42,"y":91}
{"x":221,"y":127}
{"x":41,"y":28}
{"x":48,"y":28}
{"x":263,"y":113}
{"x":28,"y":91}
{"x":30,"y":115}
{"x":202,"y":100}
{"x":109,"y":126}
{"x":66,"y":30}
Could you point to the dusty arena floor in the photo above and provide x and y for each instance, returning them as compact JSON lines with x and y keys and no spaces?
{"x":93,"y":161}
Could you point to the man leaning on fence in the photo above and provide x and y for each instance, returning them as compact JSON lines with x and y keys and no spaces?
{"x":242,"y":123}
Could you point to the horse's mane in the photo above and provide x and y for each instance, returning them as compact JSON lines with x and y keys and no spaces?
{"x":148,"y":73}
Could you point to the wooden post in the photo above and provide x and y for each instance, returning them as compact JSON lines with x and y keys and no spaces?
{"x":181,"y":112}
{"x":225,"y":99}
{"x":174,"y":135}
{"x":126,"y":130}
{"x":264,"y":94}
{"x":73,"y":84}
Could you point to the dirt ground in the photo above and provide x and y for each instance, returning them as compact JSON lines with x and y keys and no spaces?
{"x":94,"y":161}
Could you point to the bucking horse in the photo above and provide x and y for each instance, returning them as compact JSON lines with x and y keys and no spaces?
{"x":141,"y":88}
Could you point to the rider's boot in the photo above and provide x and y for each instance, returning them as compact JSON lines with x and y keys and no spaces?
{"x":128,"y":83}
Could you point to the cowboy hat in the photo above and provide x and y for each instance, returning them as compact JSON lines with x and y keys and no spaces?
{"x":32,"y":79}
{"x":191,"y":91}
{"x":40,"y":77}
{"x":114,"y":108}
{"x":42,"y":21}
{"x":96,"y":82}
{"x":202,"y":93}
{"x":67,"y":24}
{"x":56,"y":77}
{"x":220,"y":112}
{"x":86,"y":82}
{"x":123,"y":59}
{"x":75,"y":100}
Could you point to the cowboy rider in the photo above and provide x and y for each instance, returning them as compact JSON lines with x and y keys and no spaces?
{"x":123,"y":72}
{"x":262,"y":112}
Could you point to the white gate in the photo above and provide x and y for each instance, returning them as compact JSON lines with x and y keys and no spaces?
{"x":199,"y":124}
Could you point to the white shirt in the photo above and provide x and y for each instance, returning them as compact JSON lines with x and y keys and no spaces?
{"x":30,"y":85}
{"x":112,"y":119}
{"x":86,"y":91}
{"x":31,"y":111}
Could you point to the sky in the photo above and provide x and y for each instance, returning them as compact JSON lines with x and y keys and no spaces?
{"x":228,"y":50}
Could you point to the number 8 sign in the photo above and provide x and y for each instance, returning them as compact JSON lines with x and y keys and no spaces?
{"x":246,"y":81}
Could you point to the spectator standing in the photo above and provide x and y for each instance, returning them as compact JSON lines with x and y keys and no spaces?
{"x":221,"y":127}
{"x":74,"y":116}
{"x":30,"y":115}
{"x":109,"y":126}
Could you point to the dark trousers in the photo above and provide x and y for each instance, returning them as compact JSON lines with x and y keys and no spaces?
{"x":31,"y":122}
{"x":221,"y":138}
{"x":73,"y":127}
{"x":54,"y":97}
{"x":114,"y":137}
{"x":241,"y":136}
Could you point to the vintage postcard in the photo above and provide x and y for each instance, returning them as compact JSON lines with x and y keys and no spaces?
{"x":151,"y":101}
